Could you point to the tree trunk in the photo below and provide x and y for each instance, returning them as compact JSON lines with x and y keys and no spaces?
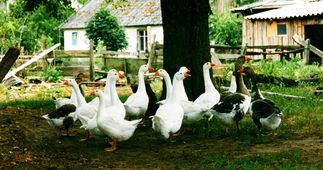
{"x":186,"y":40}
{"x":7,"y":61}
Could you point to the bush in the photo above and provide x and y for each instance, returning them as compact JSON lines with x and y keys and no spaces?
{"x":50,"y":74}
{"x":225,"y":29}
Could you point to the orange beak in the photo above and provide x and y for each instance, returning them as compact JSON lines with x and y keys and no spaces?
{"x":65,"y":82}
{"x":121,"y":74}
{"x":156,"y":74}
{"x":150,"y":68}
{"x":248,"y":58}
{"x":187,"y":73}
{"x":92,"y":93}
{"x":213,"y":65}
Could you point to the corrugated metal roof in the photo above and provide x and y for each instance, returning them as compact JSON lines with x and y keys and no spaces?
{"x":298,"y":10}
{"x":265,"y":4}
{"x":130,"y":13}
{"x":82,"y":16}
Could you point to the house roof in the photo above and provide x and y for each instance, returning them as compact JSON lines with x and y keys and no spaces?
{"x":130,"y":13}
{"x":305,"y":9}
{"x":139,"y":12}
{"x":265,"y":5}
{"x":79,"y":19}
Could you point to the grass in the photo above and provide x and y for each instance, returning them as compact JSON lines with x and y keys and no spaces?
{"x":301,"y":118}
{"x":289,"y":159}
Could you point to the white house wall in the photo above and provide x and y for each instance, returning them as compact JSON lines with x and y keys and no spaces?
{"x":83,"y":42}
{"x":158,"y":32}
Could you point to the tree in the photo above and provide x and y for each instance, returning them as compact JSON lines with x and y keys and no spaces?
{"x":40,"y":18}
{"x":186,"y":40}
{"x":105,"y":27}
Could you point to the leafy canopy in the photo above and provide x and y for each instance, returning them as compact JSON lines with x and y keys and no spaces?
{"x":104,"y":27}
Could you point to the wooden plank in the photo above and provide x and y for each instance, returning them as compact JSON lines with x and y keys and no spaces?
{"x":72,"y":53}
{"x":312,"y":48}
{"x":37,"y":57}
{"x":92,"y":74}
{"x":7,"y":62}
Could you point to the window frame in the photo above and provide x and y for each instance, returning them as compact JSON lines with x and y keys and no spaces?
{"x":142,"y":38}
{"x":74,"y":38}
{"x":279,"y":32}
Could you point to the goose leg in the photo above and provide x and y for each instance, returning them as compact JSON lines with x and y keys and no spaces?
{"x":226,"y":129}
{"x":113,"y":147}
{"x":171,"y":138}
{"x":238,"y":126}
{"x":86,"y":138}
{"x":273,"y":133}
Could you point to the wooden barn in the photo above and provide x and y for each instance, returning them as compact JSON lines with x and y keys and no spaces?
{"x":278,"y":26}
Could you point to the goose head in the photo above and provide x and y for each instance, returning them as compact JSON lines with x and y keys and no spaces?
{"x":98,"y":92}
{"x":145,"y":68}
{"x":208,"y":65}
{"x":161,"y":73}
{"x":185,"y":71}
{"x":182,"y":74}
{"x":70,"y":82}
{"x":115,"y":75}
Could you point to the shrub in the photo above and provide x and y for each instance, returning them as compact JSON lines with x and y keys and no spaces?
{"x":226,"y":29}
{"x":51,"y":74}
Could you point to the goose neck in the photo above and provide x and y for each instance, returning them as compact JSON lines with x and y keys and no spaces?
{"x":241,"y":87}
{"x":113,"y":94}
{"x":176,"y":89}
{"x":79,"y":97}
{"x":209,"y":87}
{"x":169,"y":87}
{"x":141,"y":82}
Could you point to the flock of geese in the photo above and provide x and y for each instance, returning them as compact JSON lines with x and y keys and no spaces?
{"x":106,"y":115}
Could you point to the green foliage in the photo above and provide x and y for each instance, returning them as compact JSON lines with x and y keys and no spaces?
{"x":225,"y":29}
{"x":244,"y":2}
{"x":51,"y":74}
{"x":291,"y":69}
{"x":38,"y":19}
{"x":9,"y":32}
{"x":104,"y":27}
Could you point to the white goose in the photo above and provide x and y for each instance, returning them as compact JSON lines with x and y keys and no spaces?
{"x":136,"y":105}
{"x":108,"y":99}
{"x":193,"y":112}
{"x":84,"y":111}
{"x":211,"y":96}
{"x":169,"y":116}
{"x":109,"y":119}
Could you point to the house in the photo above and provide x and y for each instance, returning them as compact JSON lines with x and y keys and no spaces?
{"x":278,"y":26}
{"x":141,"y":20}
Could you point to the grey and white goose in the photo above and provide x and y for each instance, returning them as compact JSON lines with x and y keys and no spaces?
{"x":61,"y":118}
{"x":264,"y":112}
{"x":232,"y":107}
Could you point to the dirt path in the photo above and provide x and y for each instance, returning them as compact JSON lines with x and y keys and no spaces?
{"x":27,"y":141}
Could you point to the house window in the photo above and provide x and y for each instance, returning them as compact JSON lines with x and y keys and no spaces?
{"x":281,"y":29}
{"x":74,"y":38}
{"x":142,"y":40}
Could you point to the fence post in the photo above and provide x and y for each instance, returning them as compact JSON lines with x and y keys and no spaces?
{"x":91,"y":53}
{"x":244,"y":49}
{"x":307,"y":51}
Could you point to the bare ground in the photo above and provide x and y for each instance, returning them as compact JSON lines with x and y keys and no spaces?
{"x":27,"y":142}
